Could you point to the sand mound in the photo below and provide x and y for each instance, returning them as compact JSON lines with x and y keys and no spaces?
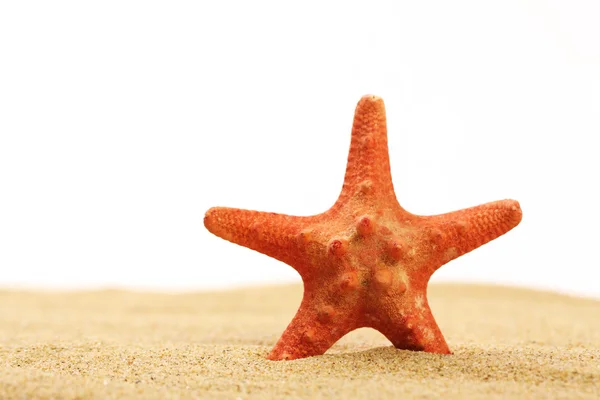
{"x":113,"y":344}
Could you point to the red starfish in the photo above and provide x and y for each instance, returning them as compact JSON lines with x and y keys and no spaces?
{"x":365,"y":262}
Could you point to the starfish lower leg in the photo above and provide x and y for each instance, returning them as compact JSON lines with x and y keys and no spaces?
{"x":310,"y":333}
{"x":417,"y":333}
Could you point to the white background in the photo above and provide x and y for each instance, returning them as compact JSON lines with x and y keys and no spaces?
{"x":122,"y":122}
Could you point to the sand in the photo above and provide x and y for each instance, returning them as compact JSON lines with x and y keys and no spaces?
{"x":507,"y":343}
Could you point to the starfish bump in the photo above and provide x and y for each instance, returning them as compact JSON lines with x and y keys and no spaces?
{"x":365,"y":262}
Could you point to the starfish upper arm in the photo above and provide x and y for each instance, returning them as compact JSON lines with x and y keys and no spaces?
{"x":273,"y":234}
{"x":462,"y":231}
{"x":368,"y":168}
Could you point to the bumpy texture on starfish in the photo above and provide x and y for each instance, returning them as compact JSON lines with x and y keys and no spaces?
{"x":365,"y":262}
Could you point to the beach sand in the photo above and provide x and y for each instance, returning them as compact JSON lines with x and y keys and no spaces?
{"x":507,"y":343}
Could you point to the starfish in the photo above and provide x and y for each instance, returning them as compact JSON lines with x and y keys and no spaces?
{"x":365,"y":262}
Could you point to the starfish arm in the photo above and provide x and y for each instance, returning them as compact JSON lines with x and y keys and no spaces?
{"x":312,"y":332}
{"x":275,"y":235}
{"x":368,"y":167}
{"x":462,"y":231}
{"x":413,"y":329}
